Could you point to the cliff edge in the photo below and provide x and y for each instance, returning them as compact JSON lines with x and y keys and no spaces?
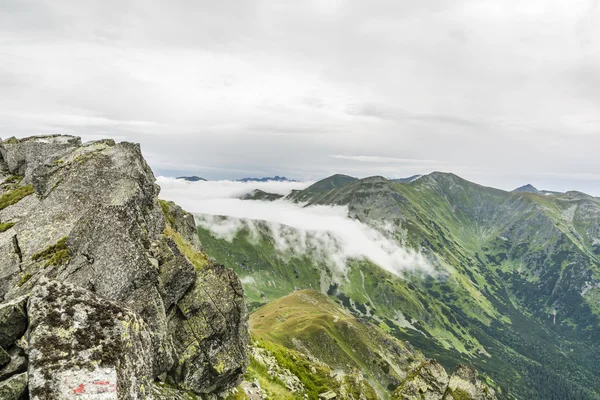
{"x":105,"y":290}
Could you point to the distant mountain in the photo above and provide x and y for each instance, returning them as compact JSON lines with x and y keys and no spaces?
{"x":323,"y":186}
{"x":517,"y":296}
{"x":526,"y":189}
{"x":275,"y":178}
{"x":258,"y":194}
{"x":531,"y":189}
{"x":406,"y":180}
{"x":191,"y":178}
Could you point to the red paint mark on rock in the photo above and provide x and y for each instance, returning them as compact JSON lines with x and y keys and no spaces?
{"x":101,"y":383}
{"x":79,"y":389}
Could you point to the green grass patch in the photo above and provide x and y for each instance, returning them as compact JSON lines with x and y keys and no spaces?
{"x":166,"y":209}
{"x":4,"y":226}
{"x":199,"y":259}
{"x":24,"y":280}
{"x":14,"y":196}
{"x":57,"y":254}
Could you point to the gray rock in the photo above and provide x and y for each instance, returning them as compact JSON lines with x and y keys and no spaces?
{"x":4,"y":357}
{"x":82,"y":343}
{"x":212,"y":316}
{"x":176,"y":274}
{"x":182,"y":222}
{"x":465,"y":385}
{"x":427,"y":382}
{"x":17,"y":363}
{"x":22,"y":156}
{"x":10,"y":260}
{"x":14,"y":388}
{"x":13,"y":321}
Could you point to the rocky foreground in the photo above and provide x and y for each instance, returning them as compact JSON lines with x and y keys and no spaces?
{"x":105,"y":292}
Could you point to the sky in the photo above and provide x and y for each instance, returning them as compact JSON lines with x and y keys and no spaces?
{"x":502,"y":93}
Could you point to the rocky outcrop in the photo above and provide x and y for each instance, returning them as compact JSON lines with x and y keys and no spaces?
{"x":465,"y":385}
{"x":101,"y":282}
{"x":430,"y":381}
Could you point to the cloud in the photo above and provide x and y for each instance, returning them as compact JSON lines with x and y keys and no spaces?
{"x":326,"y":233}
{"x":383,"y":160}
{"x":279,"y":86}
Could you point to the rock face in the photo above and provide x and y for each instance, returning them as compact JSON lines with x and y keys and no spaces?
{"x":92,"y":263}
{"x":430,"y":381}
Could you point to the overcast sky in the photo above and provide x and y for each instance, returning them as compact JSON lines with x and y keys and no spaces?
{"x":500,"y":92}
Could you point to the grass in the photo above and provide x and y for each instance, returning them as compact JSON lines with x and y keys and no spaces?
{"x":4,"y":226}
{"x":14,"y":196}
{"x":24,"y":279}
{"x":311,"y":322}
{"x":198,"y":259}
{"x":54,"y":255}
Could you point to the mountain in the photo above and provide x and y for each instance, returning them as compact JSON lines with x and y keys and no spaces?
{"x":526,"y":189}
{"x":323,"y":186}
{"x":530,"y":189}
{"x":104,"y":290}
{"x":406,"y":180}
{"x":193,"y":178}
{"x":258,"y":194}
{"x":275,"y":178}
{"x":516,"y":292}
{"x":310,"y":323}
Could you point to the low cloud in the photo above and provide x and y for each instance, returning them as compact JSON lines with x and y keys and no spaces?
{"x":323,"y":231}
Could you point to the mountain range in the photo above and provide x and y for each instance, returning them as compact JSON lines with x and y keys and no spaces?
{"x":275,"y":178}
{"x":516,"y":292}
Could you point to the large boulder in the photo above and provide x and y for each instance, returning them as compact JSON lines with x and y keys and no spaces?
{"x":22,"y":156}
{"x":212,"y":317}
{"x":14,"y":388}
{"x":82,"y":343}
{"x":13,"y":321}
{"x":427,"y":382}
{"x":464,"y":384}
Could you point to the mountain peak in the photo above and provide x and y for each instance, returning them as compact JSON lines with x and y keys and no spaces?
{"x":275,"y":178}
{"x":526,"y":189}
{"x":193,"y":178}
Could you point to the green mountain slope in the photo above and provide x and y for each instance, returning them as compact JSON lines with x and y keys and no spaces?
{"x":520,"y":288}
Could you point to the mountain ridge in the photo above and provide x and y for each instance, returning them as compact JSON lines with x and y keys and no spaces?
{"x":523,"y":269}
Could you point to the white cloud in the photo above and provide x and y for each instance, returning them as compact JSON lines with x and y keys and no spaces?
{"x":383,"y":160}
{"x":319,"y":230}
{"x":279,"y":86}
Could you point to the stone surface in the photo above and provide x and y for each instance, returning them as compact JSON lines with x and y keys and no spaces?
{"x":14,"y":388}
{"x":13,"y":321}
{"x":464,"y":384}
{"x":427,"y":382}
{"x":176,"y":273}
{"x":17,"y":363}
{"x":22,"y":156}
{"x":4,"y":357}
{"x":183,"y":222}
{"x":82,"y":343}
{"x":211,"y":316}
